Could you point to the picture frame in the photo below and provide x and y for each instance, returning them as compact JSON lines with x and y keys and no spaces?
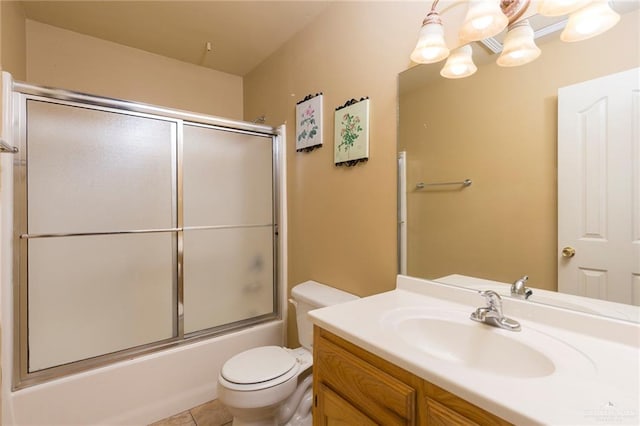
{"x":309,"y":123}
{"x":351,"y":140}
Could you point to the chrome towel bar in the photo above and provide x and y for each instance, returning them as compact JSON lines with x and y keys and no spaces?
{"x":5,"y":147}
{"x":465,"y":183}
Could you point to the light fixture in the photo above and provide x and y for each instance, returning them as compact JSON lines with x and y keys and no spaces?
{"x":460,"y":63}
{"x":519,"y":47}
{"x":590,"y":21}
{"x":484,"y":19}
{"x":431,"y":46}
{"x":559,"y":7}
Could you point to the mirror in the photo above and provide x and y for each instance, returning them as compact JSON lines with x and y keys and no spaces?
{"x":499,"y":129}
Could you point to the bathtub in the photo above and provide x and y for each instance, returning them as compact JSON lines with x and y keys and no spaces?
{"x":137,"y":391}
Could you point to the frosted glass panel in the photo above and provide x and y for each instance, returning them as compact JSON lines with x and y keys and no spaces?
{"x":90,"y":296}
{"x":227,"y":178}
{"x":96,"y":171}
{"x":228,"y":276}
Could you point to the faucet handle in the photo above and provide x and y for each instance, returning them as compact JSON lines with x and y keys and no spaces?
{"x":523,"y":280}
{"x":519,"y":288}
{"x":493,"y":299}
{"x":492,"y":313}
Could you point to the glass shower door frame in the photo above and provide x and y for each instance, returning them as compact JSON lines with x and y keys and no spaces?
{"x":22,"y":93}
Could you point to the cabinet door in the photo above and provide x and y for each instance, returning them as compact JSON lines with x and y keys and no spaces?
{"x":383,"y":397}
{"x":439,"y":415}
{"x":444,"y":408}
{"x":335,"y":411}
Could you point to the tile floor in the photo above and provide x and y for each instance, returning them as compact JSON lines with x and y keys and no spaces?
{"x":212,"y":413}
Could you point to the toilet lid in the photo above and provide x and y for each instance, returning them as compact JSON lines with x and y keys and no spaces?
{"x":258,"y":365}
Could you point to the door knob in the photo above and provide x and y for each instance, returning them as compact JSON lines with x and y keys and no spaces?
{"x":568,"y":252}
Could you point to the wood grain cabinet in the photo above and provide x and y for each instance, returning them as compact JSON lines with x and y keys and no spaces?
{"x":354,"y":387}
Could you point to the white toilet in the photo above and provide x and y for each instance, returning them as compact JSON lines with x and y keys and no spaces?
{"x":271,"y":385}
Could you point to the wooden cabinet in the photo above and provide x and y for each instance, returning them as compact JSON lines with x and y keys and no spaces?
{"x":354,"y":387}
{"x":371,"y":391}
{"x":334,"y":410}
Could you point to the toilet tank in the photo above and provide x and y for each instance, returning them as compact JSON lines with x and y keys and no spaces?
{"x":311,"y":295}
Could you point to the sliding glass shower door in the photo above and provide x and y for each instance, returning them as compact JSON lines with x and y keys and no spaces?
{"x":136,"y":231}
{"x":94,"y":179}
{"x":228,"y":227}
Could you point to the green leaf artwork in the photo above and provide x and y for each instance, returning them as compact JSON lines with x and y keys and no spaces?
{"x":351,"y":143}
{"x":350,"y":130}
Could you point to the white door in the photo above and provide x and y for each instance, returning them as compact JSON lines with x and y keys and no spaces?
{"x":599,"y":188}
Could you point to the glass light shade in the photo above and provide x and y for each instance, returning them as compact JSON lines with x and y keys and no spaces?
{"x":559,"y":7}
{"x":519,"y":46}
{"x":431,"y":46}
{"x":484,"y":19}
{"x":459,"y":64}
{"x":590,"y":21}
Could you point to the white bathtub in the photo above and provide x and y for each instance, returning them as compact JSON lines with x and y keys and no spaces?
{"x":134,"y":392}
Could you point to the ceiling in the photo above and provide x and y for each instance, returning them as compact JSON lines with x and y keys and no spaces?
{"x":242,"y":33}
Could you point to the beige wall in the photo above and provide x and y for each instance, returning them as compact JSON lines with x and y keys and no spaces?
{"x":12,"y":42}
{"x":497,"y":127}
{"x":12,"y":29}
{"x":69,"y":60}
{"x":342,"y":221}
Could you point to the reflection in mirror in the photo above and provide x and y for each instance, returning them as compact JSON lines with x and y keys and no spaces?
{"x":500,"y":128}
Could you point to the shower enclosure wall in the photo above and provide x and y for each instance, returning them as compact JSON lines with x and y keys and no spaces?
{"x":135,"y":228}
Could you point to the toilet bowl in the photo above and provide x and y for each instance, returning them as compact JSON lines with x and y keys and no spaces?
{"x":272,"y":385}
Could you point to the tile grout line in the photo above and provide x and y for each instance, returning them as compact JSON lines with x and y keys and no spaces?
{"x":193,"y":419}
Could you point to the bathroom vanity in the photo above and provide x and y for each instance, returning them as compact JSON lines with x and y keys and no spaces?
{"x":413,"y":356}
{"x":356,"y":387}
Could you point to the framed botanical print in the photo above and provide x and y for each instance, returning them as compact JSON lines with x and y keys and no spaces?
{"x":309,"y":123}
{"x":352,"y":133}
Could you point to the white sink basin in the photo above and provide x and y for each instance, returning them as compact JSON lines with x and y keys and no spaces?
{"x":449,"y":335}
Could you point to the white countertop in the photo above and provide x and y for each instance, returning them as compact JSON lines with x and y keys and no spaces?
{"x":597,"y":360}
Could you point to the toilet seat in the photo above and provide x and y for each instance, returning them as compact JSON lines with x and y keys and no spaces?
{"x":259,"y":368}
{"x":266,"y":388}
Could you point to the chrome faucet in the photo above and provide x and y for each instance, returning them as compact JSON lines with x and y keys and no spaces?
{"x":519,"y":288}
{"x":492,"y":313}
